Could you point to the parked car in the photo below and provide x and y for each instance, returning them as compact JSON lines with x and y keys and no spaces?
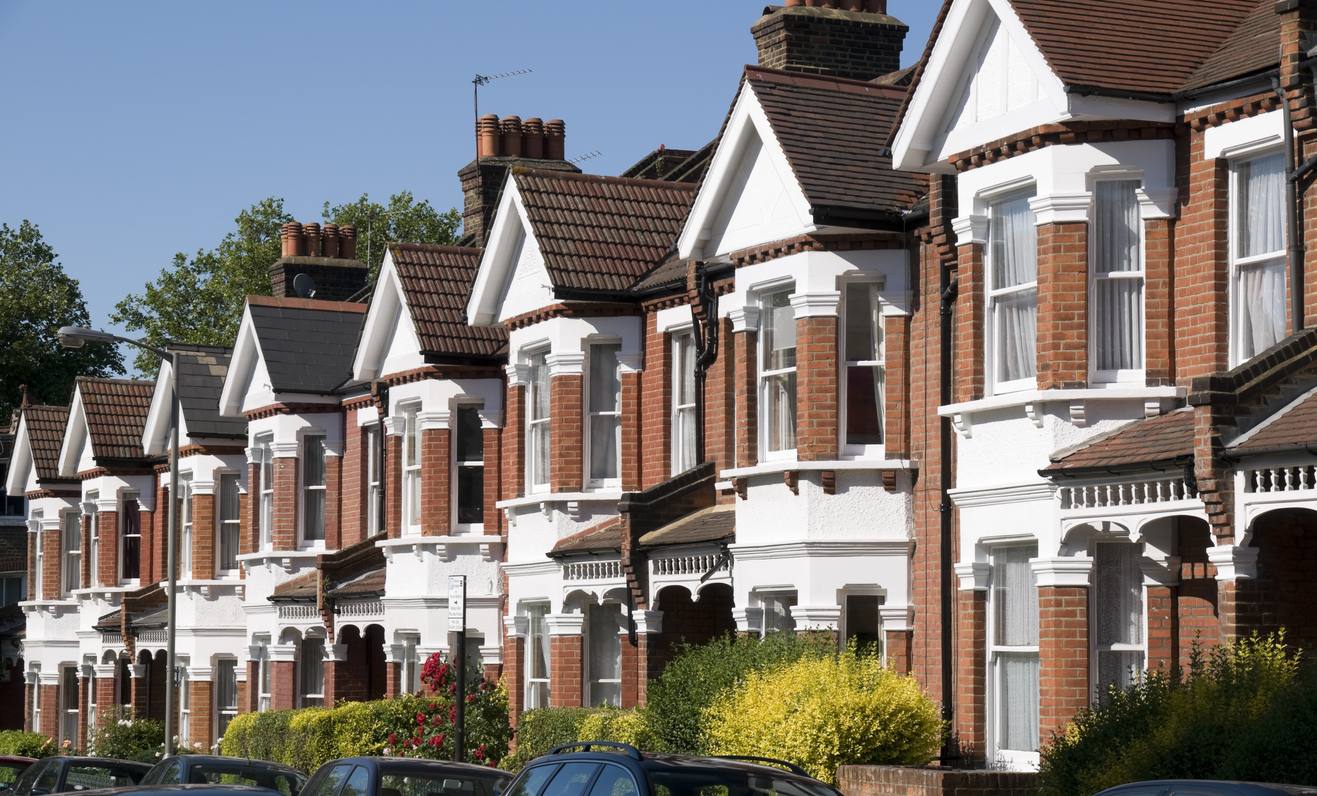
{"x":219,"y":770}
{"x":1207,"y":787}
{"x":183,"y":790}
{"x":405,"y":776}
{"x":61,"y":774}
{"x":11,"y":767}
{"x":615,"y":769}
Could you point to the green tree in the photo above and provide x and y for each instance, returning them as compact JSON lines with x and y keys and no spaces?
{"x":404,"y":219}
{"x":36,"y":298}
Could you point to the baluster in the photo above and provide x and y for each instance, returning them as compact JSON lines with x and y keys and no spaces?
{"x":1289,"y":479}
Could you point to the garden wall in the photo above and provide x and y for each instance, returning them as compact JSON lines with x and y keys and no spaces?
{"x":932,"y":781}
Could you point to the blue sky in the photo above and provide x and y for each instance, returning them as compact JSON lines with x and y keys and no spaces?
{"x":136,"y":130}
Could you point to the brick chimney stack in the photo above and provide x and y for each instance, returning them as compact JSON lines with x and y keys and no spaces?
{"x":326,"y":254}
{"x":842,"y":38}
{"x":504,"y":144}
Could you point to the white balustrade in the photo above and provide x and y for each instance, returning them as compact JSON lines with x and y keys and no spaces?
{"x":1266,"y":480}
{"x":299,"y":611}
{"x":1132,"y":493}
{"x":688,"y":565}
{"x":356,"y":609}
{"x":592,"y":570}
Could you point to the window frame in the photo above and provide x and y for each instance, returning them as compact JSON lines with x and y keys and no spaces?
{"x":229,"y":527}
{"x":185,"y":524}
{"x":265,"y":491}
{"x":680,"y":339}
{"x":93,"y":539}
{"x":68,"y":715}
{"x":993,"y":295}
{"x":533,"y":423}
{"x":788,"y":598}
{"x":226,"y":677}
{"x":591,"y":682}
{"x":587,"y":396}
{"x":371,"y":441}
{"x":307,"y":698}
{"x":124,"y":497}
{"x":1095,"y":606}
{"x":765,"y":376}
{"x":1123,"y":375}
{"x":411,"y":665}
{"x":38,"y":575}
{"x":1236,"y":263}
{"x":70,"y":557}
{"x":857,"y":450}
{"x":996,"y":712}
{"x":184,"y":705}
{"x":264,"y":677}
{"x":413,"y":500}
{"x":537,"y":687}
{"x":305,"y":491}
{"x":458,"y":465}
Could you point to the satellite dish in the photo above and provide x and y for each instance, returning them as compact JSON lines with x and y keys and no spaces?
{"x":304,"y":286}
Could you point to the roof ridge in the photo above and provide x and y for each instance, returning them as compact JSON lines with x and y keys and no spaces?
{"x":108,"y":380}
{"x":607,"y":180}
{"x":847,"y":84}
{"x":435,"y":247}
{"x":307,"y":304}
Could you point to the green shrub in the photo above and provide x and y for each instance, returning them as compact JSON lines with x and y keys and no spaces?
{"x":27,"y":744}
{"x":1243,"y":711}
{"x":541,"y":729}
{"x":694,"y":679}
{"x":620,"y":726}
{"x":117,"y":734}
{"x":824,"y":712}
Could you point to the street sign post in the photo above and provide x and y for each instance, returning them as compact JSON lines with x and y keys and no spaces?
{"x":457,"y":629}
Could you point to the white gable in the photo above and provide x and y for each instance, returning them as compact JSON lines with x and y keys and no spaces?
{"x":750,"y":195}
{"x":75,"y":452}
{"x":511,"y":279}
{"x":388,"y":341}
{"x":247,"y":383}
{"x":21,"y":470}
{"x":155,"y":434}
{"x":999,"y":80}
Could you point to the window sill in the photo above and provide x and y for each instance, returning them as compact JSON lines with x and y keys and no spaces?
{"x":285,"y":557}
{"x":446,"y":547}
{"x":768,"y":468}
{"x":1031,"y":403}
{"x":537,"y":498}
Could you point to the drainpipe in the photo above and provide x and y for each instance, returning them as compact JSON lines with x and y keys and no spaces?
{"x":1294,"y":242}
{"x":950,"y":289}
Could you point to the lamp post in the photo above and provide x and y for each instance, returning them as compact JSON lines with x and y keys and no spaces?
{"x":76,"y":337}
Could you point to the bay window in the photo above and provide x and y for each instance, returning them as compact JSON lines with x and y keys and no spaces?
{"x":372,"y":443}
{"x":68,"y":697}
{"x":1118,"y":637}
{"x":93,"y":540}
{"x":1012,"y":292}
{"x":411,"y":470}
{"x":185,"y":527}
{"x":469,"y":468}
{"x":537,"y":656}
{"x":865,"y":368}
{"x":1257,"y":253}
{"x":1013,"y":648}
{"x":226,"y":694}
{"x":777,"y":374}
{"x":313,"y":488}
{"x":604,"y":415}
{"x":683,"y":402}
{"x":605,"y":661}
{"x":72,"y":558}
{"x":1117,"y":281}
{"x":130,"y":534}
{"x":184,"y":705}
{"x":230,"y":521}
{"x":265,"y":471}
{"x":537,"y":423}
{"x":38,"y":560}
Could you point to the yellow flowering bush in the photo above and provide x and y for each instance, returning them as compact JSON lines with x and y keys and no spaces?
{"x":619,"y":726}
{"x":820,"y":713}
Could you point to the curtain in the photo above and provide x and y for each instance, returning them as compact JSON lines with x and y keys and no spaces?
{"x":1019,"y":701}
{"x":313,"y":670}
{"x":1120,"y":594}
{"x":605,"y":397}
{"x":1015,"y":596}
{"x":1261,"y":307}
{"x":864,"y":383}
{"x":539,"y":410}
{"x":1261,"y":215}
{"x":780,"y":331}
{"x":685,"y":400}
{"x":1014,"y":247}
{"x":781,"y":400}
{"x":230,"y":519}
{"x":1117,"y":301}
{"x":132,"y":538}
{"x":313,"y":475}
{"x":605,"y":655}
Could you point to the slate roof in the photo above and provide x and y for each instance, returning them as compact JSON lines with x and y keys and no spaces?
{"x":1295,"y":424}
{"x":308,"y":345}
{"x":13,"y":548}
{"x":607,"y":535}
{"x":201,"y":371}
{"x":366,"y":584}
{"x":116,"y":412}
{"x":831,"y":129}
{"x":1158,"y":439}
{"x":45,"y":434}
{"x":601,"y":233}
{"x":706,"y":525}
{"x":436,"y":283}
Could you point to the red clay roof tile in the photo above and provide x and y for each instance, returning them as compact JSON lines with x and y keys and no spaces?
{"x":1157,"y":439}
{"x":436,"y":283}
{"x":45,"y":435}
{"x":116,"y":415}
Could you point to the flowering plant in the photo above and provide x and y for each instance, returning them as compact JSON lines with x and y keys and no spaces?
{"x":431,"y":733}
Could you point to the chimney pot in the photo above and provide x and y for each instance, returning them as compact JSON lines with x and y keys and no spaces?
{"x":555,"y":143}
{"x":330,"y":243}
{"x":291,"y":234}
{"x":794,"y":3}
{"x":512,"y":136}
{"x":488,"y":135}
{"x":347,"y":242}
{"x":532,"y":138}
{"x":852,"y":5}
{"x":876,"y":6}
{"x":311,"y":239}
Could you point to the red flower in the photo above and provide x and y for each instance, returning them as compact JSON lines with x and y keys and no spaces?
{"x":393,"y":738}
{"x":440,"y":736}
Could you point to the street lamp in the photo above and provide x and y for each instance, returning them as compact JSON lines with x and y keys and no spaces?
{"x":77,"y":337}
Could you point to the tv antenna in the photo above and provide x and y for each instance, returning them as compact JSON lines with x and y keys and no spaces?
{"x":479,"y":81}
{"x":593,"y":154}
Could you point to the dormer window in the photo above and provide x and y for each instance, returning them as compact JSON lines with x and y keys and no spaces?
{"x":604,"y":415}
{"x":313,"y":488}
{"x":537,"y":423}
{"x":1013,"y":292}
{"x":1257,"y":254}
{"x":1116,"y":303}
{"x":865,"y":368}
{"x":777,"y":375}
{"x":411,"y":470}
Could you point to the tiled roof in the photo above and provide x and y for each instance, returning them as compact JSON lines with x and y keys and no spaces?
{"x":607,"y":535}
{"x":1295,"y":424}
{"x":301,"y":588}
{"x":363,"y":585}
{"x":1157,"y":439}
{"x":1134,"y":45}
{"x":308,"y":345}
{"x":671,"y":271}
{"x":45,"y":433}
{"x":201,"y":372}
{"x":601,"y":233}
{"x":116,"y":412}
{"x":706,"y":525}
{"x":436,"y":281}
{"x":1253,"y":47}
{"x":832,"y":131}
{"x":13,"y":548}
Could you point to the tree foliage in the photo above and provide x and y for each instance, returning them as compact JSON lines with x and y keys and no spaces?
{"x":199,"y":299}
{"x":36,"y":298}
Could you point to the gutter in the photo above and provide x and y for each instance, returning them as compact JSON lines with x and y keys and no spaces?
{"x":880,"y":220}
{"x":1175,"y":96}
{"x":1237,"y":455}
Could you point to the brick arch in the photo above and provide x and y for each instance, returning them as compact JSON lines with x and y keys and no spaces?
{"x":360,"y":676}
{"x":1286,"y":541}
{"x":692,"y":620}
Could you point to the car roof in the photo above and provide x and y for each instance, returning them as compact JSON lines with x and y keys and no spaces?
{"x":420,"y":763}
{"x":1222,"y":786}
{"x":193,"y":760}
{"x":193,"y":790}
{"x":104,"y":761}
{"x":662,"y":761}
{"x":17,"y":759}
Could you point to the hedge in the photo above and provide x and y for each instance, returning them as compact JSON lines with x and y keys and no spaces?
{"x":27,"y":744}
{"x":541,"y":729}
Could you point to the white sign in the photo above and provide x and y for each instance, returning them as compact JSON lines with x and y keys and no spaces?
{"x":456,"y":603}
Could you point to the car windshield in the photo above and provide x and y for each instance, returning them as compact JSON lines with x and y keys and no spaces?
{"x":731,"y":782}
{"x":284,"y":782}
{"x":9,"y":773}
{"x":91,"y":777}
{"x":418,"y":783}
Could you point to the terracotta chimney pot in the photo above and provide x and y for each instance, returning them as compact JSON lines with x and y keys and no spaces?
{"x":794,"y":3}
{"x":852,"y":5}
{"x":329,"y":241}
{"x":876,"y":6}
{"x":347,"y":242}
{"x":532,"y":138}
{"x":291,"y":233}
{"x":512,"y":136}
{"x":311,"y":239}
{"x":488,"y":135}
{"x":555,"y":140}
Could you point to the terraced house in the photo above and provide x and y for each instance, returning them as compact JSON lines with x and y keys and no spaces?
{"x":999,"y":363}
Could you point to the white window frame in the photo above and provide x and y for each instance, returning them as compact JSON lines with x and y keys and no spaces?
{"x":68,"y":714}
{"x":371,"y":439}
{"x":459,"y":464}
{"x":870,"y":450}
{"x":768,"y":601}
{"x":307,"y":698}
{"x":184,"y":706}
{"x":124,"y":497}
{"x":1124,"y":375}
{"x":1235,"y":353}
{"x":226,"y":675}
{"x":765,"y":377}
{"x":70,"y":558}
{"x":231,"y":525}
{"x":265,"y":489}
{"x":587,"y":444}
{"x":1011,"y":758}
{"x":992,"y":295}
{"x":185,"y":523}
{"x":533,"y":423}
{"x":305,"y":490}
{"x":93,"y":540}
{"x":38,"y":575}
{"x":1095,"y":606}
{"x":411,"y":665}
{"x":538,"y":689}
{"x":683,"y":361}
{"x":412,"y":486}
{"x":591,"y":682}
{"x":264,"y":677}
